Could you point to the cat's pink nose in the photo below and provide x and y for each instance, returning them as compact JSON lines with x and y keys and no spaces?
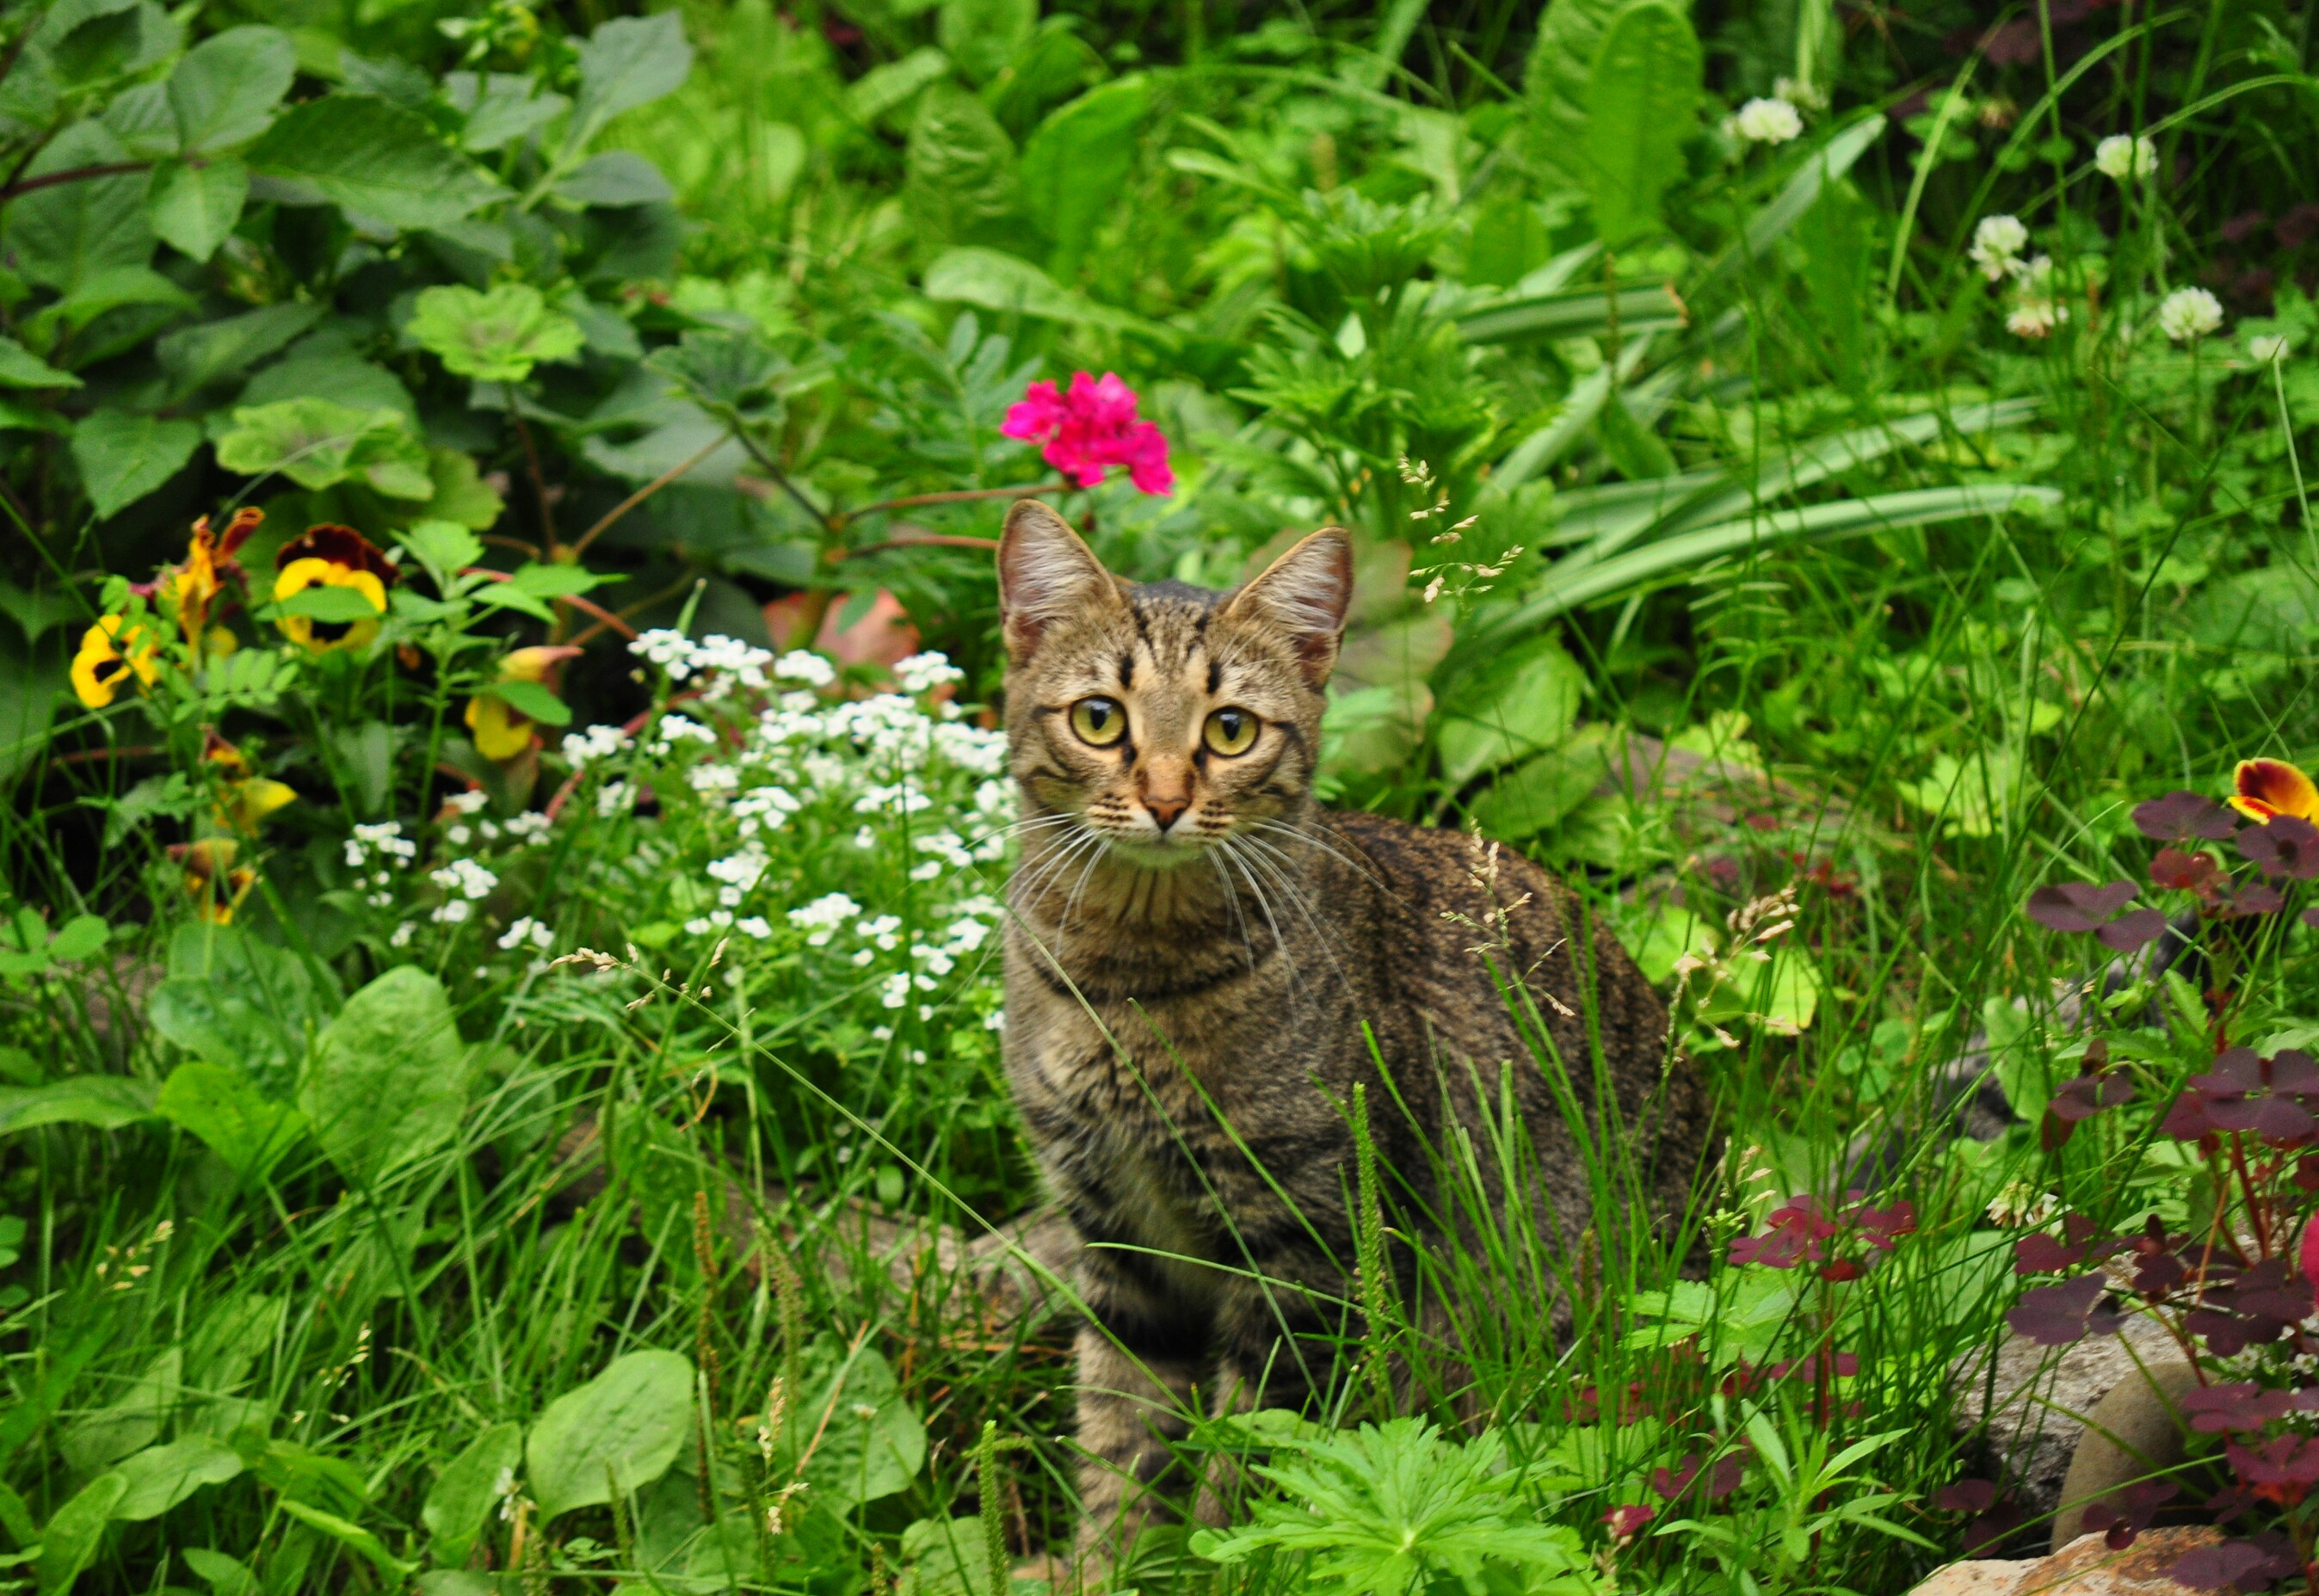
{"x":1167,"y":810}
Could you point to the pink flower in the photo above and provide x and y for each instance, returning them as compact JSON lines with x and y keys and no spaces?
{"x":1092,"y":426}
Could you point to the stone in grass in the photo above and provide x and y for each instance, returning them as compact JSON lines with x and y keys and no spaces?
{"x":2086,"y":1567}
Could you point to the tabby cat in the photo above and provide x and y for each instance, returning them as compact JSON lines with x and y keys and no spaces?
{"x":1194,"y":947}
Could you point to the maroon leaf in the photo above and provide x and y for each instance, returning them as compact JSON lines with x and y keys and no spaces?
{"x":2040,"y":1254}
{"x":2057,"y":1315}
{"x":2177,"y":871}
{"x":2079,"y":906}
{"x":2184,"y":817}
{"x":2241,"y":1405}
{"x":2284,"y":845}
{"x":2129,"y":933}
{"x":2239,"y":1564}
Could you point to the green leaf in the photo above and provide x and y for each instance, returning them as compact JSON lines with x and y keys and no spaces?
{"x":226,"y":1576}
{"x":69,"y":1541}
{"x":463,"y":1494}
{"x":629,"y":62}
{"x":318,"y":443}
{"x":1076,"y":165}
{"x":387,"y":1084}
{"x":496,"y":337}
{"x":160,"y":1477}
{"x":334,"y":604}
{"x":531,"y":700}
{"x":195,"y":357}
{"x":510,"y":105}
{"x":194,"y":208}
{"x":123,"y":457}
{"x":236,"y":1121}
{"x":1796,"y":196}
{"x":1523,"y":703}
{"x":1570,"y":314}
{"x":106,"y":1102}
{"x":1007,"y":283}
{"x":728,"y":371}
{"x":616,"y":177}
{"x":1642,"y":103}
{"x":374,"y":158}
{"x":960,"y":176}
{"x":79,"y":937}
{"x":633,"y":1419}
{"x":1555,"y":87}
{"x":350,"y":1535}
{"x":1526,"y":800}
{"x":445,"y":547}
{"x":1639,"y":454}
{"x":460,"y":495}
{"x":62,"y":235}
{"x":873,"y":1444}
{"x":986,"y":36}
{"x":558,"y":579}
{"x":225,"y":88}
{"x":21,"y":368}
{"x":890,"y":86}
{"x":130,"y":1422}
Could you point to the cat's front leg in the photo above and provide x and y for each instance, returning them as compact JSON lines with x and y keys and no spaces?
{"x":1139,"y":1357}
{"x":1274,"y":1350}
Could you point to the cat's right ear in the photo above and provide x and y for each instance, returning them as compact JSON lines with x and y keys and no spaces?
{"x":1046,"y":574}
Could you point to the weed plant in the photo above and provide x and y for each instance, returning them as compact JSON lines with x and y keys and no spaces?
{"x":503,"y":1086}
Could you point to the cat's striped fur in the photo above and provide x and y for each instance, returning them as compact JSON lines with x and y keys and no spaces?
{"x":1194,"y":947}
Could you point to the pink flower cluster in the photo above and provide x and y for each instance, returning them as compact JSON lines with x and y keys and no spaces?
{"x":1090,"y":426}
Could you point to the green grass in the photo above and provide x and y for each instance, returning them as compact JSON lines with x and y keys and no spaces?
{"x":1911,"y":726}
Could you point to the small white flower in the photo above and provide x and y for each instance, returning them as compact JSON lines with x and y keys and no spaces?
{"x":617,"y":798}
{"x":921,"y":671}
{"x":452,"y":913}
{"x":802,"y":665}
{"x":1996,"y":245}
{"x":466,"y":803}
{"x":2269,"y":349}
{"x":2188,"y":313}
{"x":2121,"y":155}
{"x":583,"y":749}
{"x":2032,"y":317}
{"x":755,"y":926}
{"x":996,"y":1019}
{"x":821,"y":918}
{"x":865,"y":839}
{"x":403,"y":933}
{"x":894,"y":991}
{"x":1766,"y":121}
{"x":466,"y":876}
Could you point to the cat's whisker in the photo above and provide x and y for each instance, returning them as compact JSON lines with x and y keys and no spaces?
{"x":1231,"y":901}
{"x":1306,"y":835}
{"x":1298,"y":898}
{"x":1263,"y":902}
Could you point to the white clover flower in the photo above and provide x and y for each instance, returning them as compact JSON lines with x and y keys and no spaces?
{"x":802,"y":665}
{"x":2032,"y":317}
{"x":583,"y":749}
{"x":1997,"y":246}
{"x":527,"y":930}
{"x":2121,"y":155}
{"x":2267,"y":349}
{"x":2188,"y":313}
{"x":1764,"y":121}
{"x":922,"y":671}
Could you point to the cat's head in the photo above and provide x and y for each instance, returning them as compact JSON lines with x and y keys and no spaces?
{"x":1164,"y":715}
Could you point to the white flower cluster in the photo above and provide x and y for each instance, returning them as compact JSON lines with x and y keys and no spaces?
{"x":923,"y":673}
{"x":583,"y":749}
{"x":1764,"y":121}
{"x":2124,"y":157}
{"x":2188,"y":313}
{"x":1998,"y":246}
{"x":469,"y":881}
{"x":527,"y":930}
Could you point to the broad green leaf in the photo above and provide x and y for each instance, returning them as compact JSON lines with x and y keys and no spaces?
{"x":1523,"y":703}
{"x":106,"y":1102}
{"x":1076,"y":165}
{"x":960,"y":176}
{"x":634,"y":1418}
{"x":1570,"y":313}
{"x":353,"y":1536}
{"x":337,"y":605}
{"x":461,"y":494}
{"x":318,"y":443}
{"x":109,"y":289}
{"x":236,"y":1121}
{"x":1639,"y":454}
{"x":496,"y":337}
{"x":463,"y":1494}
{"x":1526,"y":800}
{"x":62,"y":235}
{"x":131,"y":1421}
{"x":531,"y":700}
{"x":1796,"y":196}
{"x":195,"y":357}
{"x":627,"y":62}
{"x":160,"y":1477}
{"x":1007,"y":283}
{"x":1555,"y":87}
{"x":1642,"y":103}
{"x":141,"y":118}
{"x":194,"y":207}
{"x":985,"y":36}
{"x":373,"y":158}
{"x":890,"y":88}
{"x":728,"y":371}
{"x":558,"y":579}
{"x":510,"y":107}
{"x":21,"y":368}
{"x":388,"y":1081}
{"x":445,"y":547}
{"x":225,"y":88}
{"x":873,"y":1444}
{"x":88,"y":44}
{"x":69,"y":1540}
{"x":79,"y":937}
{"x":122,"y":457}
{"x":616,"y":177}
{"x":224,"y":1575}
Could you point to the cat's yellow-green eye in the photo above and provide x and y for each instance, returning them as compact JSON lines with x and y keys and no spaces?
{"x":1230,"y":732}
{"x":1099,"y":722}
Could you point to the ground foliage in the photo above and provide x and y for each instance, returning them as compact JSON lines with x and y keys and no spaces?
{"x":1889,"y":421}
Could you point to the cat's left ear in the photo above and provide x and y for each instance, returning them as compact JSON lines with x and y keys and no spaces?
{"x":1306,"y":591}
